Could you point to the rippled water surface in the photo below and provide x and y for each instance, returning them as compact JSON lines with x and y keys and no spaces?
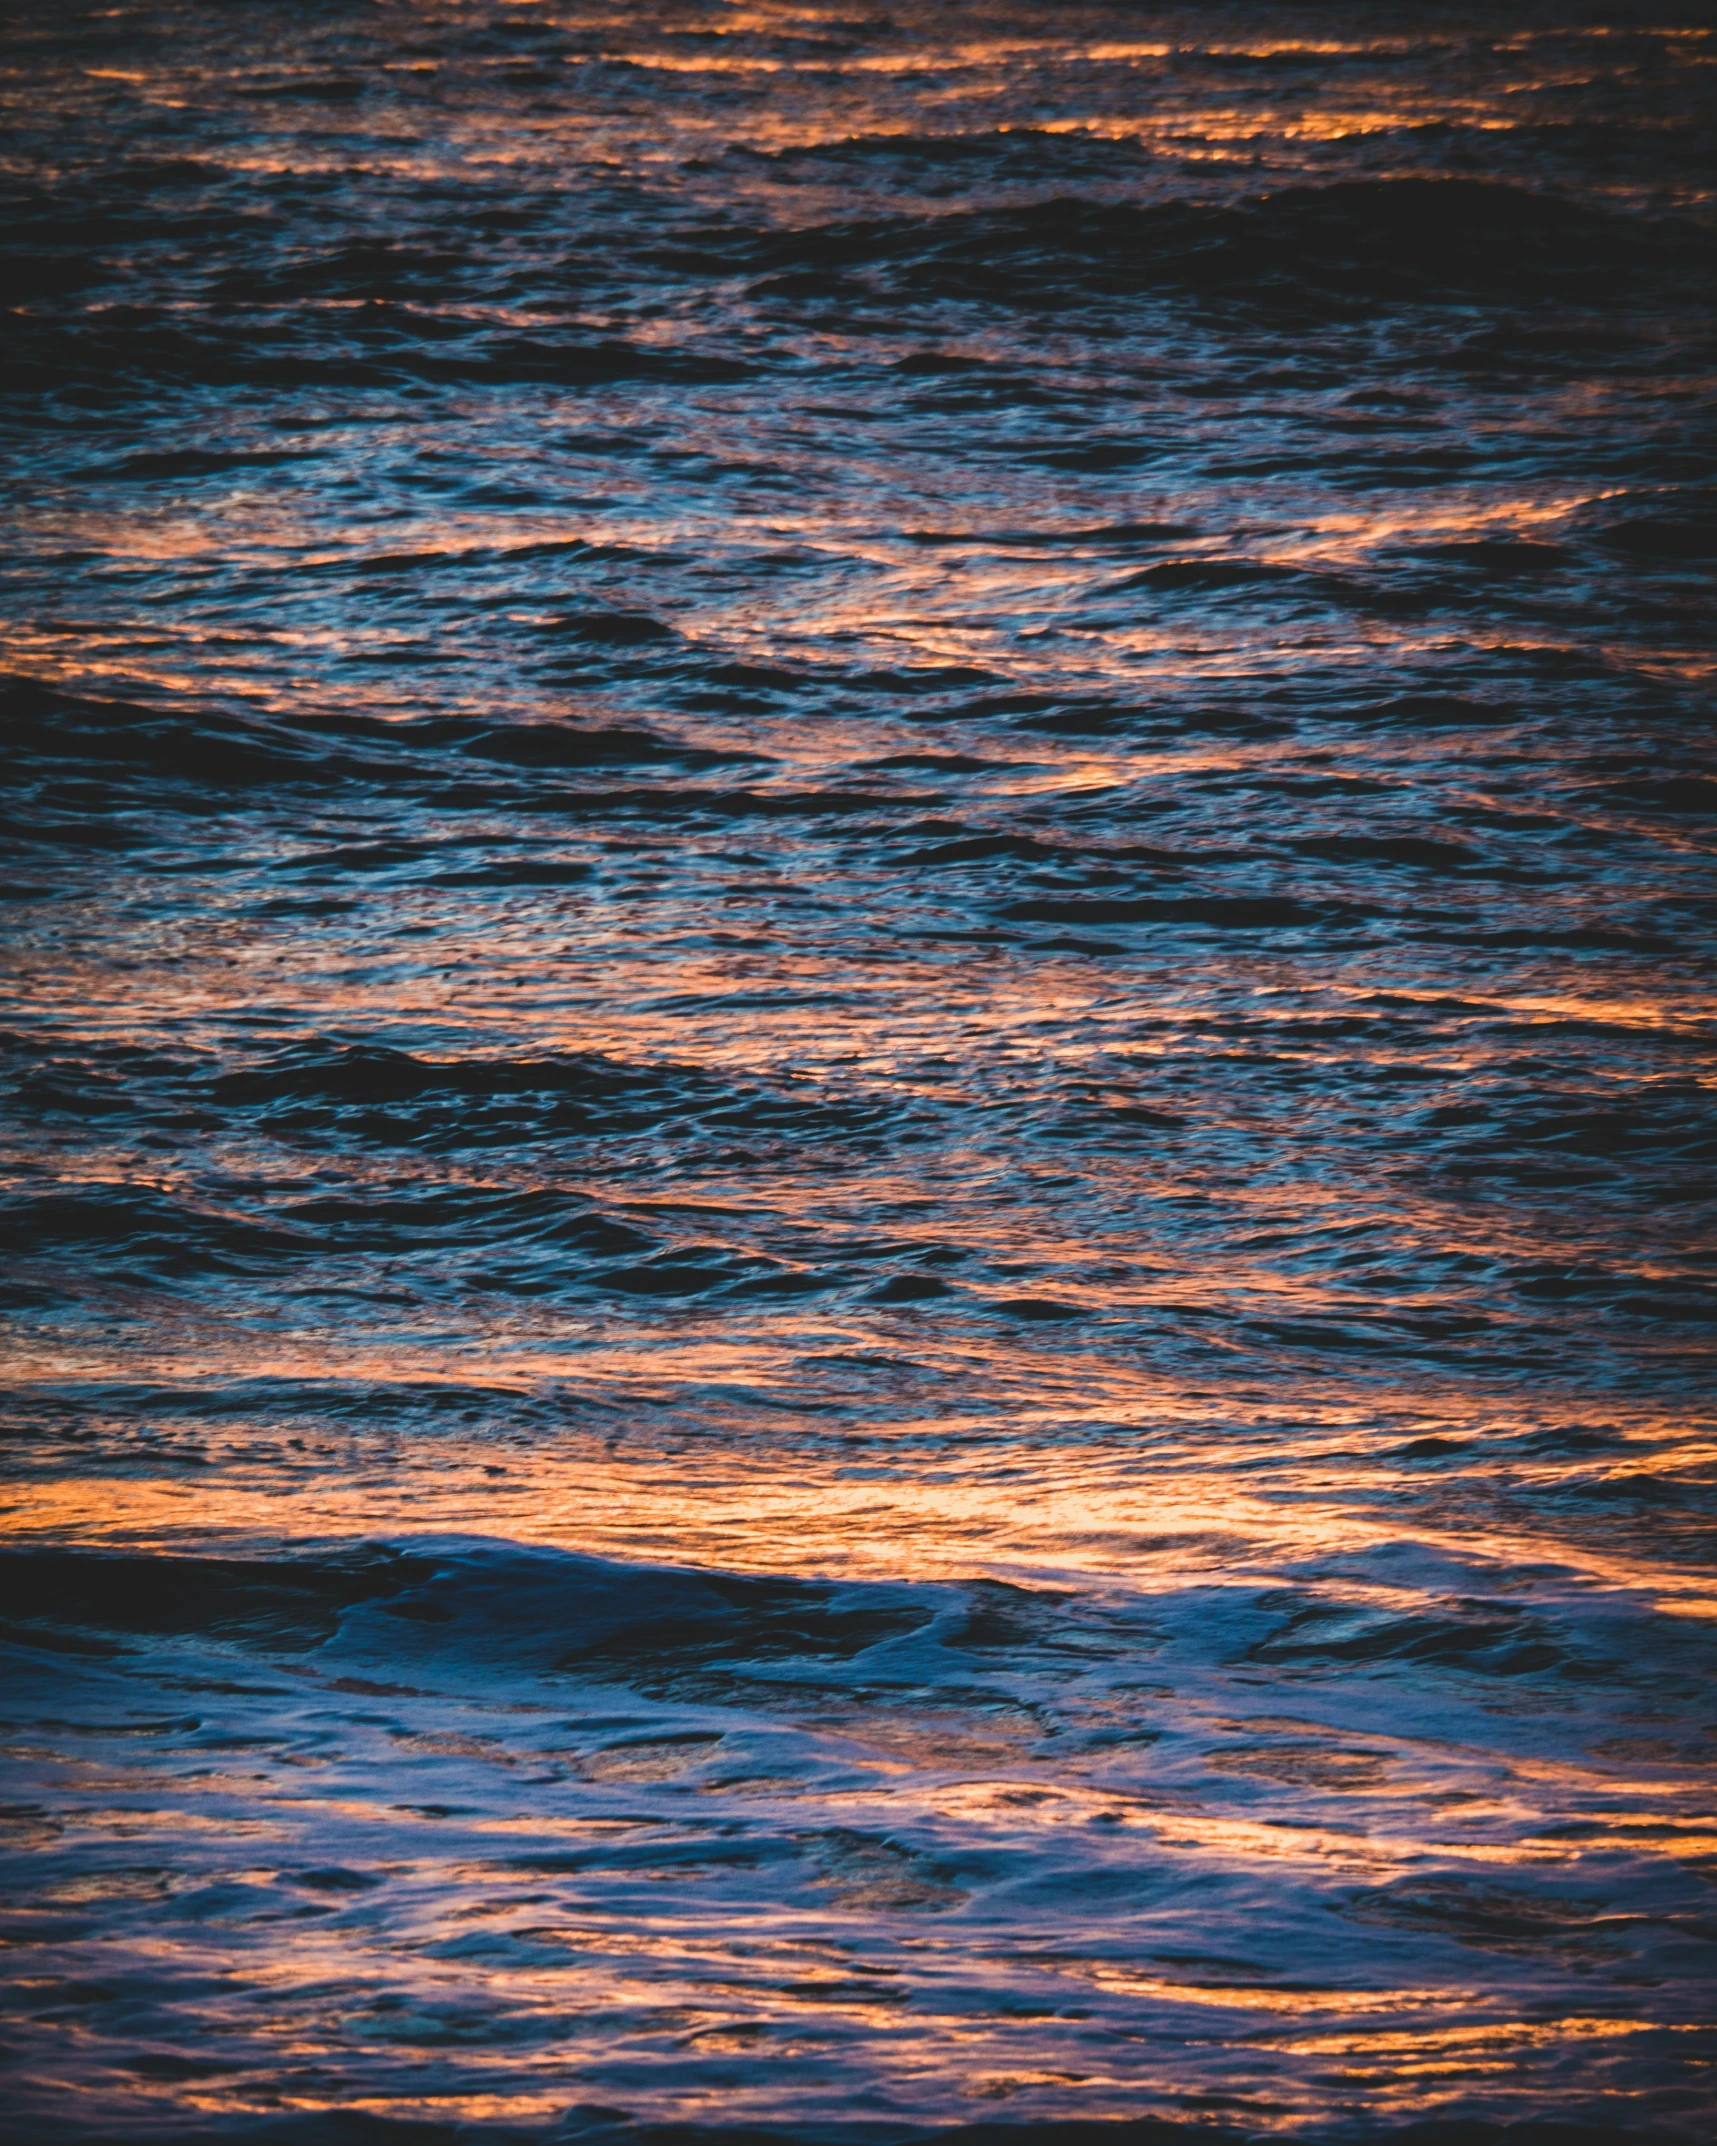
{"x":859,"y":912}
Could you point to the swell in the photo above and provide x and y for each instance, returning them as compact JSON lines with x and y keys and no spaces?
{"x":1379,"y":242}
{"x":899,"y":827}
{"x":79,"y":324}
{"x":463,"y":1610}
{"x":604,"y":2124}
{"x":462,"y":1605}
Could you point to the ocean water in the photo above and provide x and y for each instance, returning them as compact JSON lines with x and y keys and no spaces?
{"x":858,"y":1153}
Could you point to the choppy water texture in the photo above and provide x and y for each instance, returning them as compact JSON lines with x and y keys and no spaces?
{"x":860,"y":912}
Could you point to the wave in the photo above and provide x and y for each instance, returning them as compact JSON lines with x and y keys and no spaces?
{"x":309,"y":1085}
{"x":462,"y":1603}
{"x":143,"y":1227}
{"x":595,"y":2124}
{"x":449,"y":1607}
{"x":372,"y":314}
{"x":1358,"y":243}
{"x":114,"y":354}
{"x":212,"y":749}
{"x":157,"y":1233}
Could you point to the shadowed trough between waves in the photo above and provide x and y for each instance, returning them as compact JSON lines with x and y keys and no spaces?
{"x":858,"y":1154}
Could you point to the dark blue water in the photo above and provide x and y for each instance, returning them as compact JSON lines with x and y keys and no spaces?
{"x":858,"y":1157}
